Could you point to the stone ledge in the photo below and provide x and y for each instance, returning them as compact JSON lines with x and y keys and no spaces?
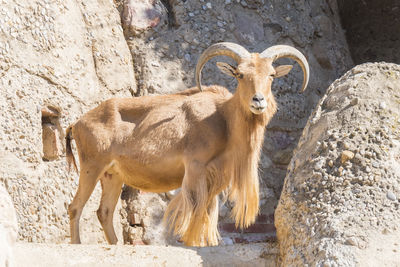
{"x":35,"y":255}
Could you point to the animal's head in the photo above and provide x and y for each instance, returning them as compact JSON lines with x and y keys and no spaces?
{"x":254,"y":71}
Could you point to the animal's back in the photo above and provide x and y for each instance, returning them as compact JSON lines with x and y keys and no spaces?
{"x":126,"y":119}
{"x":147,"y":136}
{"x":158,"y":126}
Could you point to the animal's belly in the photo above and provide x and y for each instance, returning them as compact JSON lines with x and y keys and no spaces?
{"x":156,"y":177}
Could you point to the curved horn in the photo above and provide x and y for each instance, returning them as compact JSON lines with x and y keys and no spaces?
{"x":235,"y":51}
{"x":285,"y":51}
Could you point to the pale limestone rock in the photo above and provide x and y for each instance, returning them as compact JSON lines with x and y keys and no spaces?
{"x":8,"y":229}
{"x":70,"y":56}
{"x":332,"y":216}
{"x":52,"y":147}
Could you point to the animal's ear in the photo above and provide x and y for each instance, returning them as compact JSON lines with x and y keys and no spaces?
{"x":282,"y":70}
{"x":227,"y":69}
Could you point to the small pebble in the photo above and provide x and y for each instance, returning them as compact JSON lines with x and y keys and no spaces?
{"x":354,"y":101}
{"x":187,"y":57}
{"x":382,"y":105}
{"x":227,"y":241}
{"x":340,"y":170}
{"x":391,"y":196}
{"x":346,"y":155}
{"x":352,"y":241}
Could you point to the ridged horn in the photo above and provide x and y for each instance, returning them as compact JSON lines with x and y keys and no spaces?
{"x":235,"y":51}
{"x":285,"y":51}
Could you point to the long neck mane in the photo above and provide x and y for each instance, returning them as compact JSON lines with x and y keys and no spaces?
{"x":245,"y":139}
{"x":245,"y":129}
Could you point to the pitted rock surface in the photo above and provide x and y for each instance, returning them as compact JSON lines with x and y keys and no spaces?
{"x":65,"y":56}
{"x":342,"y":190}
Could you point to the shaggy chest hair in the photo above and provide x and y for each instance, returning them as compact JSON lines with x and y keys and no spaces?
{"x":245,"y":141}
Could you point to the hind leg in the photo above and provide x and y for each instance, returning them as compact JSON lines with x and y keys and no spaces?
{"x":111,"y":188}
{"x":87,"y":181}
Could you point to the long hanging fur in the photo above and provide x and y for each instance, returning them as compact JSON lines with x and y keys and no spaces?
{"x":244,"y":186}
{"x":244,"y":190}
{"x":193,"y":213}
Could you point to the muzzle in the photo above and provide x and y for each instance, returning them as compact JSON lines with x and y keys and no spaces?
{"x":258,"y":104}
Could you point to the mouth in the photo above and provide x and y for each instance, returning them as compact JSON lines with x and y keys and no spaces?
{"x":258,"y":108}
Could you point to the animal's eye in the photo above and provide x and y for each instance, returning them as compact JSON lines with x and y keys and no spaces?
{"x":239,"y":75}
{"x":272,"y":75}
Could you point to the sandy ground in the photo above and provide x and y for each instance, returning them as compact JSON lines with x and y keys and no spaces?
{"x":63,"y":255}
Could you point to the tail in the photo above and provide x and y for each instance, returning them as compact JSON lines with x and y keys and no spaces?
{"x":70,"y":155}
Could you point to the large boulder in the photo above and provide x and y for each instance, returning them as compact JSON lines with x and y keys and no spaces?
{"x":340,"y":202}
{"x":8,"y":228}
{"x":58,"y":59}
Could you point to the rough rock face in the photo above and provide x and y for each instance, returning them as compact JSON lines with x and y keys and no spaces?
{"x":8,"y":228}
{"x":342,"y":191}
{"x":144,"y":213}
{"x":363,"y":19}
{"x":165,"y":57}
{"x":57,"y":60}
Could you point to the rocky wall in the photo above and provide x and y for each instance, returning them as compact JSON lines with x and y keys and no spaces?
{"x":340,"y":204}
{"x":57,"y":60}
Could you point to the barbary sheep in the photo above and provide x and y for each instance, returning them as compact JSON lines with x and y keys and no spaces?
{"x":204,"y":140}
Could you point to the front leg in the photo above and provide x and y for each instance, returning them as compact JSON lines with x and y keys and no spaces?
{"x":193,"y":213}
{"x":186,"y":213}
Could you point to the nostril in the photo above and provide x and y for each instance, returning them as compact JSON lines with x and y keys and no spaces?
{"x":258,"y":98}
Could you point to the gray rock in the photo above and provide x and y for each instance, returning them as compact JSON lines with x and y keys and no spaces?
{"x":391,"y":196}
{"x":248,"y":29}
{"x":187,"y":57}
